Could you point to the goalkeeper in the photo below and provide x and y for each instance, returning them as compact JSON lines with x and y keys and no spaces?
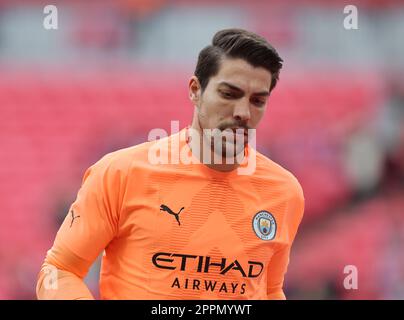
{"x":198,"y":230}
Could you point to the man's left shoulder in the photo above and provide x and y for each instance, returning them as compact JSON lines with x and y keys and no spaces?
{"x":283,"y":184}
{"x":271,"y":171}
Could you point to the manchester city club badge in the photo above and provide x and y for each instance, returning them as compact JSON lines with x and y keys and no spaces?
{"x":264,"y":225}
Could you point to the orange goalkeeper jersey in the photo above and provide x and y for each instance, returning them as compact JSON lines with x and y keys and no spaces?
{"x":181,"y":231}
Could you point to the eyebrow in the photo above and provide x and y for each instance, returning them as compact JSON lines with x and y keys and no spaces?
{"x":233,"y":87}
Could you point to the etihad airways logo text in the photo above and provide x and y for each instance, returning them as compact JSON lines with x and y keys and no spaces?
{"x":205,"y":264}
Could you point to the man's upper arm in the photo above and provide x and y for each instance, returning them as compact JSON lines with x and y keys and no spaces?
{"x":276,"y":273}
{"x":92,"y":220}
{"x":278,"y":265}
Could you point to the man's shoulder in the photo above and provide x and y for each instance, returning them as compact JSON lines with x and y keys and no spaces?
{"x":124,"y":159}
{"x":269,"y":170}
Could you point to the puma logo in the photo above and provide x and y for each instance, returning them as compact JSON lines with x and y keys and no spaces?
{"x":176,"y":215}
{"x":73,"y":217}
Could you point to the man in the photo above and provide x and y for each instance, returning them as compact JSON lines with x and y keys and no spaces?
{"x":193,"y":230}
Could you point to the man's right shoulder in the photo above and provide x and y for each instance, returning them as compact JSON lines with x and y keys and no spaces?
{"x":126,"y":158}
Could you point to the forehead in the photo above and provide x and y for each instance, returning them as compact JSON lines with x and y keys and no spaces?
{"x":243,"y":75}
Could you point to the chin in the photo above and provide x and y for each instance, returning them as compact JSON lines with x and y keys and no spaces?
{"x":237,"y":151}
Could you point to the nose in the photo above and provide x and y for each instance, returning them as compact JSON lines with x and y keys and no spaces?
{"x":242,"y":111}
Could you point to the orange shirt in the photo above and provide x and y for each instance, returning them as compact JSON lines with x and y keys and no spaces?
{"x":181,"y":231}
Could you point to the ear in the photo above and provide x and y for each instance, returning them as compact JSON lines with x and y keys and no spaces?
{"x":194,"y":90}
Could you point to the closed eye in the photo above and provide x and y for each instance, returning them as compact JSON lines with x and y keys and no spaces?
{"x":227,"y":95}
{"x":258,"y":102}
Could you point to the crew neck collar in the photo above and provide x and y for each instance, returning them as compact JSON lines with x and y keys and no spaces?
{"x":184,"y":138}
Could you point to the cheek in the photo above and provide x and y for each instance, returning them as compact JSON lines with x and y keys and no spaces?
{"x":207,"y":112}
{"x":213,"y":103}
{"x":256,"y":115}
{"x":214,"y":108}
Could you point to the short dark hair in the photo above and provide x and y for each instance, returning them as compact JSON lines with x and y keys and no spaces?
{"x":237,"y":43}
